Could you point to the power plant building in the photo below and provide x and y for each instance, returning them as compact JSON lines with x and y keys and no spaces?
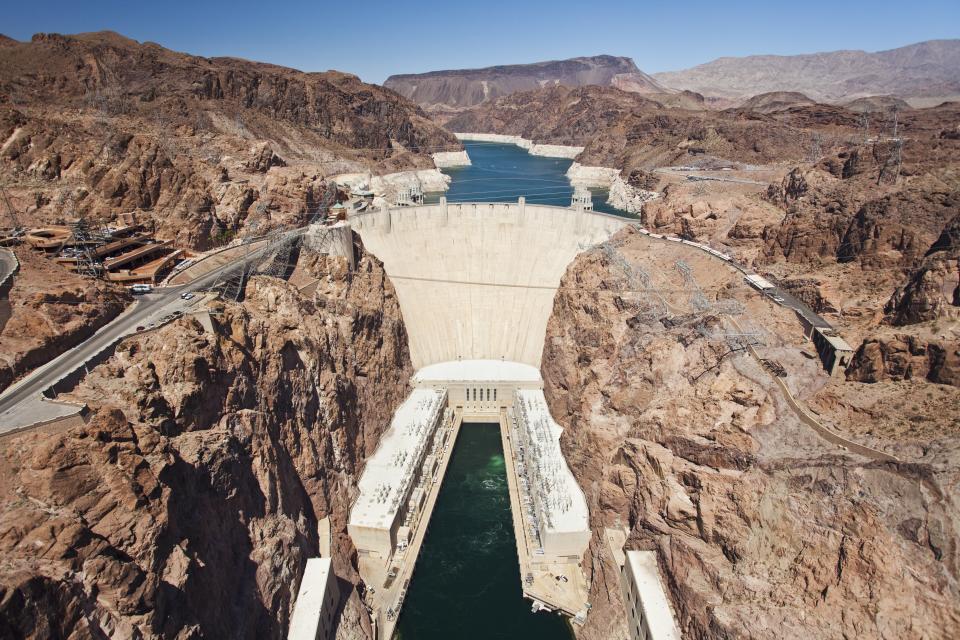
{"x":389,"y":486}
{"x":559,"y":518}
{"x":316,"y":604}
{"x":649,"y":616}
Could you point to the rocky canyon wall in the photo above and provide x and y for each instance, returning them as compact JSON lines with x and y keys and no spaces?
{"x":188,"y":504}
{"x":762,"y":529}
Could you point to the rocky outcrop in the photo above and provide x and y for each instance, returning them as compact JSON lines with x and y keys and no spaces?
{"x":810,"y":291}
{"x":189,"y":503}
{"x":774,"y":101}
{"x":447,"y":159}
{"x":762,"y":529}
{"x":906,"y":357}
{"x":931,"y":293}
{"x":627,"y":197}
{"x":262,"y":158}
{"x":581,"y":175}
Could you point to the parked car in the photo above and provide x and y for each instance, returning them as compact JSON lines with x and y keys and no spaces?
{"x":139,"y":289}
{"x":140,"y":328}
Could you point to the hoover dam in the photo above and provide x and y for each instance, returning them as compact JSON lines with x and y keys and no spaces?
{"x":476,"y":280}
{"x":475,"y":283}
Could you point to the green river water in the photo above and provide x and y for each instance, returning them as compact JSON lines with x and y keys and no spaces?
{"x":467,"y":582}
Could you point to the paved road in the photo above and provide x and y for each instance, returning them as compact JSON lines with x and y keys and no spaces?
{"x":18,"y":403}
{"x":696,"y":174}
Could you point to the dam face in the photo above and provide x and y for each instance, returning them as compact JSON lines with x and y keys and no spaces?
{"x":476,"y":281}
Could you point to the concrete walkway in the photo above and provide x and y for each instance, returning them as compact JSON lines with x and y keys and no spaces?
{"x":827,"y":434}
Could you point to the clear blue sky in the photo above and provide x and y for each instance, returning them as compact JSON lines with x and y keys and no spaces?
{"x":375,"y":38}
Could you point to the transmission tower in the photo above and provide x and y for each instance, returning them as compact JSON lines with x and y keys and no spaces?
{"x":698,"y":301}
{"x":84,"y":239}
{"x":636,"y":278}
{"x":890,"y":171}
{"x":865,"y":123}
{"x":16,"y":228}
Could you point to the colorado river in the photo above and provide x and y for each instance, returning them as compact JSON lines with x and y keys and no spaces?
{"x":503,"y":172}
{"x":467,"y":582}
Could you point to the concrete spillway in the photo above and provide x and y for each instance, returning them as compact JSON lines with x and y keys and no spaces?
{"x":477,"y":281}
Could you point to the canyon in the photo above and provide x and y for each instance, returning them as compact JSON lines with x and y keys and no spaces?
{"x":189,"y":502}
{"x":223,"y":449}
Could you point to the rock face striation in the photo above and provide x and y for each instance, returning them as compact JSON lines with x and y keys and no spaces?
{"x":188,"y":505}
{"x":459,"y":89}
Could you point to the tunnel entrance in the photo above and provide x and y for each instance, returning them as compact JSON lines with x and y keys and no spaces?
{"x":467,"y":583}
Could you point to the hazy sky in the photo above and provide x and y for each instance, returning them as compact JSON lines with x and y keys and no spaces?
{"x":375,"y":38}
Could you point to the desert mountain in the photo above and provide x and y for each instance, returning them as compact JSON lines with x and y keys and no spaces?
{"x":93,"y":124}
{"x":928,"y":70}
{"x":458,"y":89}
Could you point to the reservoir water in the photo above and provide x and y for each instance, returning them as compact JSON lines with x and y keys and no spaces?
{"x":504,"y":172}
{"x":467,"y":582}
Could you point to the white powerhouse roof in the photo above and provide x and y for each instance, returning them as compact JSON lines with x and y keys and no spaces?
{"x":564,"y":501}
{"x":656,"y":609}
{"x":478,"y":371}
{"x":392,"y":466}
{"x":309,"y":605}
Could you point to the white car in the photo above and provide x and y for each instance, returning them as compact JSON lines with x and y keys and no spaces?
{"x":187,"y":296}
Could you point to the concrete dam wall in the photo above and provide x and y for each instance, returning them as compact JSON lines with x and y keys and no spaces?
{"x":477,"y":280}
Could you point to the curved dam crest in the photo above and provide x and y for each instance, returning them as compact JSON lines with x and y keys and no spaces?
{"x":476,"y":281}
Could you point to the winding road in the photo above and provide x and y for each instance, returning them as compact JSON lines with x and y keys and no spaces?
{"x":23,"y":405}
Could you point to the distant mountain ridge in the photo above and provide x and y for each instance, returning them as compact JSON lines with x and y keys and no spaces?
{"x":464,"y":88}
{"x":928,"y":69}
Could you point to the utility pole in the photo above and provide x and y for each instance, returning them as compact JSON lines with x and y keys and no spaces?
{"x":15,"y":225}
